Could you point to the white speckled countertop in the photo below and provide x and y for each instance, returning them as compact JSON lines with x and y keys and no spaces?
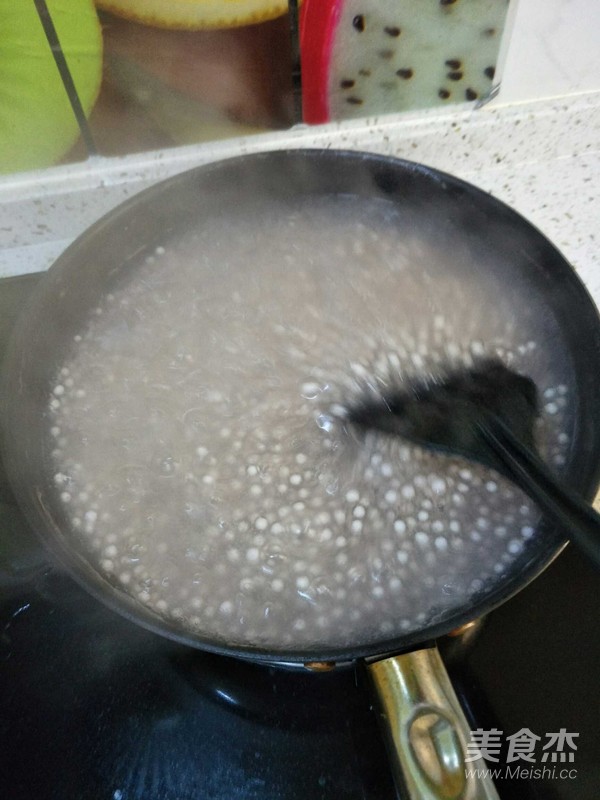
{"x":541,"y":157}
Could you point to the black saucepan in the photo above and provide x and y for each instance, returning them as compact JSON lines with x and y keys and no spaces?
{"x":424,"y":718}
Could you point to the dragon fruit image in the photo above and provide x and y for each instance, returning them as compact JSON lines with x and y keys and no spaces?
{"x":366,"y":57}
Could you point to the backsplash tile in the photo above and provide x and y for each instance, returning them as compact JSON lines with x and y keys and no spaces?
{"x":146,"y":74}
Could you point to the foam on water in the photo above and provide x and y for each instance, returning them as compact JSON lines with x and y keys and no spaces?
{"x":199,"y":445}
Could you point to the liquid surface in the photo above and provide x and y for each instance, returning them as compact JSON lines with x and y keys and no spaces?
{"x":200,"y":450}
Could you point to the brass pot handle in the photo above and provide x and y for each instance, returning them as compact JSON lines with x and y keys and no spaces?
{"x":426,"y":729}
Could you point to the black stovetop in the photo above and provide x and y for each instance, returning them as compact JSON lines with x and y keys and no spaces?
{"x":94,"y":708}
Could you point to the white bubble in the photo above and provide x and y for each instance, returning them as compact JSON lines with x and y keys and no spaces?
{"x":438,"y":485}
{"x":310,"y":390}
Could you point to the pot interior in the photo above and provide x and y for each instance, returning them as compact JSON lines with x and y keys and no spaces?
{"x":177,"y":395}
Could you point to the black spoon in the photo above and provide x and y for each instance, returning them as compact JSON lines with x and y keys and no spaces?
{"x":486,"y":414}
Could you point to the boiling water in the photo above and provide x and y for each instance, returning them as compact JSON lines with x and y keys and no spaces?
{"x":199,"y":443}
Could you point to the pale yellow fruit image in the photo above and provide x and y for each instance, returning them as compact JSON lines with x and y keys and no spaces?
{"x":196,"y":14}
{"x":37,"y":123}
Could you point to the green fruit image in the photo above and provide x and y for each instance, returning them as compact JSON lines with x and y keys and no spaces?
{"x":37,"y":123}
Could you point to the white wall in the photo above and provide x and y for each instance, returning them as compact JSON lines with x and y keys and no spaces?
{"x":553,"y":50}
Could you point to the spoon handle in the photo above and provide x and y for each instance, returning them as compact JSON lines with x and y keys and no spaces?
{"x":555,"y":500}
